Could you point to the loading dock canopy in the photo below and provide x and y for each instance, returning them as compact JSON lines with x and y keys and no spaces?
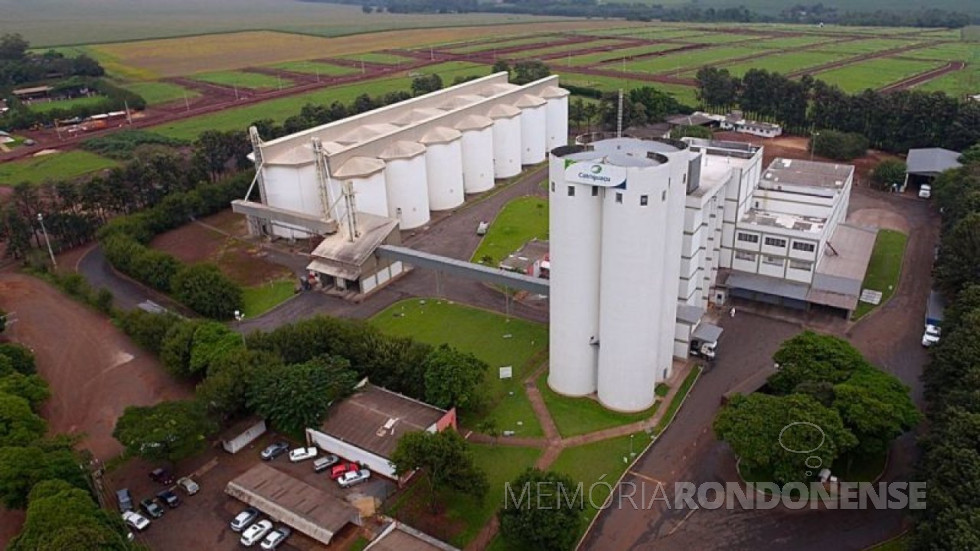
{"x":707,"y":332}
{"x":293,"y":502}
{"x":931,"y":161}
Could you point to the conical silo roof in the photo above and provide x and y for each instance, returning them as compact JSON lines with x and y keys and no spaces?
{"x":527,"y":100}
{"x":440,"y":134}
{"x":416,"y":115}
{"x":473,"y":122}
{"x":502,"y":111}
{"x":359,"y":167}
{"x":402,"y":150}
{"x":551,"y":92}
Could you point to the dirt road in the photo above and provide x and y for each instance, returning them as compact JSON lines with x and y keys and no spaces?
{"x":94,"y":370}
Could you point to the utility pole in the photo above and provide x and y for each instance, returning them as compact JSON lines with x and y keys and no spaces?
{"x":187,"y":104}
{"x":619,"y":116}
{"x":236,"y":91}
{"x":129,"y":118}
{"x":54,"y":263}
{"x":813,"y":143}
{"x":279,"y":78}
{"x":239,"y":316}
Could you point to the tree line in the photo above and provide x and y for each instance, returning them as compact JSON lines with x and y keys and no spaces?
{"x":44,"y":474}
{"x":636,"y":11}
{"x":891,"y":122}
{"x":950,"y":464}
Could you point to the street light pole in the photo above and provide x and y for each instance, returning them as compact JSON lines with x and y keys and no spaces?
{"x":813,"y":143}
{"x":54,"y":263}
{"x":239,"y":316}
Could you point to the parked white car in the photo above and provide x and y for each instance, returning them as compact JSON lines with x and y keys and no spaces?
{"x":925,"y":191}
{"x":351,"y":478}
{"x":931,"y":336}
{"x":136,"y":520}
{"x":256,"y":532}
{"x":302,"y":454}
{"x":243,"y":519}
{"x":275,"y":538}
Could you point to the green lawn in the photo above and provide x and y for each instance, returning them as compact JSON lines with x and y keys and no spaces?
{"x":376,"y":57}
{"x":590,"y":463}
{"x":520,"y":220}
{"x":262,"y":298}
{"x":874,"y":73}
{"x":490,"y":337}
{"x":884,"y":268}
{"x":89,"y":101}
{"x":243,"y":79}
{"x":685,"y":60}
{"x":600,"y":57}
{"x":575,"y":416}
{"x":280,"y":109}
{"x":315,"y":67}
{"x":464,"y":516}
{"x":901,"y":543}
{"x":156,"y":92}
{"x":783,"y":63}
{"x":678,"y":399}
{"x":56,"y":166}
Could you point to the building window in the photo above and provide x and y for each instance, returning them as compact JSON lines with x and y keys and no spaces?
{"x":552,"y":187}
{"x":571,"y":191}
{"x":801,"y":265}
{"x":775,"y":242}
{"x":595,"y":191}
{"x":663,"y":195}
{"x":804,"y":246}
{"x":742,"y":255}
{"x":643,"y":200}
{"x":748,"y":237}
{"x":619,"y":197}
{"x":772,"y":260}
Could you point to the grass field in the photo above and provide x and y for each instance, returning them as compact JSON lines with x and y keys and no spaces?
{"x":520,"y":220}
{"x":563,"y":49}
{"x":487,"y":335}
{"x":652,"y":32}
{"x":686,"y":60}
{"x":44,"y":107}
{"x":874,"y":73}
{"x":719,"y":38}
{"x":590,"y":463}
{"x":782,"y":63}
{"x":45,"y":22}
{"x":375,"y":57}
{"x":241,"y":79}
{"x":488,"y":45}
{"x":464,"y":515}
{"x":600,"y":57}
{"x":55,"y":166}
{"x":683,"y":94}
{"x":884,"y":268}
{"x":315,"y":67}
{"x":261,"y":298}
{"x":156,"y":93}
{"x":280,"y":109}
{"x":575,"y":416}
{"x":788,"y":42}
{"x":864,"y":46}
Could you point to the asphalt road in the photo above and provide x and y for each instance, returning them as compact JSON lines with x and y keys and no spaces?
{"x":688,"y":451}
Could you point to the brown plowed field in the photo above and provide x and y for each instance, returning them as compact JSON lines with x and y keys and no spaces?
{"x":93,"y":369}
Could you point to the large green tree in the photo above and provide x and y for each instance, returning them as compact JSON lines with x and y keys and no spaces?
{"x":19,"y":425}
{"x":21,"y":357}
{"x":29,"y":387}
{"x":541,"y":512}
{"x":813,"y":357}
{"x":225,"y":389}
{"x":168,"y":431}
{"x":445,"y":460}
{"x":64,"y":518}
{"x":453,"y":378}
{"x":204,"y":289}
{"x":295,"y":397}
{"x":876,"y":407}
{"x":22,"y":467}
{"x":959,"y":255}
{"x":776,"y":434}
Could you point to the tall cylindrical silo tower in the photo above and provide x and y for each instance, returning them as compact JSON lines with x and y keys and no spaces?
{"x":444,"y":167}
{"x":405,"y":179}
{"x":477,"y":145}
{"x":506,"y":140}
{"x":679,"y":157}
{"x":291,"y":183}
{"x":556,"y":115}
{"x":574,"y":230}
{"x":634,"y":249}
{"x":533,"y":128}
{"x":367,"y":177}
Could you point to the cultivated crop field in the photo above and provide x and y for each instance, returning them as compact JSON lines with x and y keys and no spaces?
{"x":243,"y":79}
{"x":618,"y":53}
{"x":563,"y":49}
{"x":874,"y":73}
{"x":678,"y":62}
{"x":156,"y":93}
{"x":56,"y":166}
{"x":783,"y":63}
{"x":314,"y":67}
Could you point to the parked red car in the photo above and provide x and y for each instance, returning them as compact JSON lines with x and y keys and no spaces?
{"x":339,"y":469}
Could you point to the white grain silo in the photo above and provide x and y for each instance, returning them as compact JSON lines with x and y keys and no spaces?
{"x":290,"y":182}
{"x":405,"y":177}
{"x":574,"y":230}
{"x":477,"y":145}
{"x":680,"y":158}
{"x":444,"y":167}
{"x":533,"y":128}
{"x":613,"y":259}
{"x":366,"y":175}
{"x":556,"y":115}
{"x":506,"y":140}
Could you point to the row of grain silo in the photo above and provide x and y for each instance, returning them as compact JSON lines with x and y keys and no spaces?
{"x":461,"y":147}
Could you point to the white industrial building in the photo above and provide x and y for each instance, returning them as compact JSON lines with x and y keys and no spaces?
{"x":645,"y":234}
{"x":398,"y":163}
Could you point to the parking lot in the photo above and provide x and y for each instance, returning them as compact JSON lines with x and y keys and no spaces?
{"x":201,"y":520}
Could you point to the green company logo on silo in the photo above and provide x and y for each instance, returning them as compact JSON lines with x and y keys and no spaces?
{"x":596,"y":169}
{"x":595,"y":174}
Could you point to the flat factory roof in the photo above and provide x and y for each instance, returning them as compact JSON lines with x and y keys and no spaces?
{"x":797,"y":172}
{"x":399,"y":537}
{"x":365,"y":419}
{"x":347,"y":256}
{"x":716,"y":171}
{"x":286,"y":499}
{"x":807,"y":224}
{"x":625,"y":152}
{"x":931,"y":161}
{"x":840,"y":272}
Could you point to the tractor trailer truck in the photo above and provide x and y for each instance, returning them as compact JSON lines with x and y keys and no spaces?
{"x":934,"y":319}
